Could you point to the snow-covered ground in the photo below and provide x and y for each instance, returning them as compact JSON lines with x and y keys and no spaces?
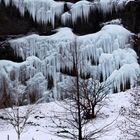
{"x":38,"y":127}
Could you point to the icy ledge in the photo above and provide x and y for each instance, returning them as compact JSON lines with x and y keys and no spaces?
{"x":83,"y":8}
{"x":107,"y":54}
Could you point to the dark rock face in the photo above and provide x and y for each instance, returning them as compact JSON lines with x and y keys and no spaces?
{"x":7,"y":53}
{"x":12,"y":23}
{"x":137,"y":46}
{"x":131,"y":21}
{"x":131,"y":16}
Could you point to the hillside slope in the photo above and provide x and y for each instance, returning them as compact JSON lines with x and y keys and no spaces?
{"x":39,"y":123}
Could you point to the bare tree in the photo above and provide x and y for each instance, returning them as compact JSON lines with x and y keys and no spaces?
{"x":5,"y":98}
{"x":16,"y":115}
{"x":83,"y":96}
{"x":92,"y":96}
{"x":66,"y":121}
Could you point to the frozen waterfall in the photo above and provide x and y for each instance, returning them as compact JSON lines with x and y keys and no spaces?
{"x":108,"y":53}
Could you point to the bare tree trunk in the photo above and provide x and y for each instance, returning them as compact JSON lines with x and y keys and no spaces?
{"x":18,"y":136}
{"x":18,"y":122}
{"x":79,"y":110}
{"x":78,"y":93}
{"x":8,"y":137}
{"x":93,"y":111}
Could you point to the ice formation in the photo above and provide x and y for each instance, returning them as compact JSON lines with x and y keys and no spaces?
{"x":115,"y":21}
{"x":66,"y":17}
{"x":107,"y":53}
{"x":42,"y":11}
{"x":45,"y":11}
{"x":83,"y":8}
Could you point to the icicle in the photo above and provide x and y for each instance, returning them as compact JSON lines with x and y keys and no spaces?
{"x":80,"y":9}
{"x":128,"y":72}
{"x":41,"y":11}
{"x":48,"y":55}
{"x":83,"y":8}
{"x":66,"y":17}
{"x":7,"y":2}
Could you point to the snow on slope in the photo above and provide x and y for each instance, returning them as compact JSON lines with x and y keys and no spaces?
{"x":46,"y":56}
{"x":38,"y":127}
{"x":116,"y":21}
